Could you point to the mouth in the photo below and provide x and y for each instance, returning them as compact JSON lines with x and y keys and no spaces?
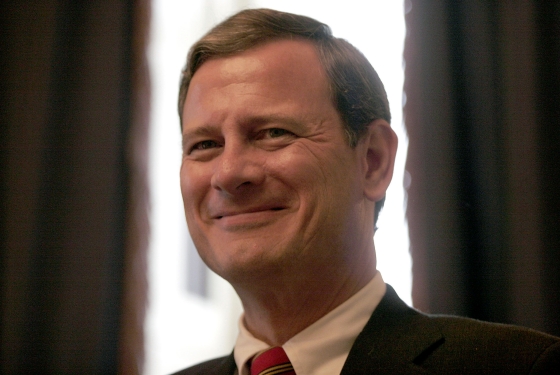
{"x":245,"y":212}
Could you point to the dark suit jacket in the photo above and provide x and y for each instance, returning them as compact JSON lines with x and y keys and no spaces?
{"x":400,"y":340}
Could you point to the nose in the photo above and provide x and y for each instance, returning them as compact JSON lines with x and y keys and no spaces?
{"x":238,"y":168}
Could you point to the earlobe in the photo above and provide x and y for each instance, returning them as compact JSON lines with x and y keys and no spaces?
{"x":380,"y":148}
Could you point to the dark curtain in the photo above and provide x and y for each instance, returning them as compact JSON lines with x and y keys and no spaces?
{"x":72,"y":220}
{"x":482,"y":84}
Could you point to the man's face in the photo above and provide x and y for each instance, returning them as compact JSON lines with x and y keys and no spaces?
{"x":268,"y":180}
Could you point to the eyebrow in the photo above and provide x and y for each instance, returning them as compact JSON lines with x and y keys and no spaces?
{"x":201,"y":131}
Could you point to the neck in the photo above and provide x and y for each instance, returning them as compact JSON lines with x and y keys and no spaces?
{"x":298,"y":299}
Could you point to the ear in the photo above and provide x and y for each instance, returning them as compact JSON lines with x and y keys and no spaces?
{"x":379,"y":147}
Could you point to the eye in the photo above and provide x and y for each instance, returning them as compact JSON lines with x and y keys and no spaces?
{"x":277,"y":132}
{"x":204,"y":145}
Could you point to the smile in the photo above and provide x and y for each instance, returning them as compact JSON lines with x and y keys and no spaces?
{"x":246,"y":212}
{"x":247,"y":219}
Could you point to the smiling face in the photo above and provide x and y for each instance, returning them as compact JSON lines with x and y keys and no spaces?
{"x":268,"y":179}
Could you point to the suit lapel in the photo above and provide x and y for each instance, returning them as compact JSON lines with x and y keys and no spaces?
{"x":394,"y":339}
{"x":227,"y":366}
{"x":219,"y":366}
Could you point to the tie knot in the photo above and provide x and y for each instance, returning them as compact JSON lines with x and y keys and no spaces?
{"x":271,"y":362}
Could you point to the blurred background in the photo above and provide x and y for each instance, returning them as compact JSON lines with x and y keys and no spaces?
{"x":87,"y":232}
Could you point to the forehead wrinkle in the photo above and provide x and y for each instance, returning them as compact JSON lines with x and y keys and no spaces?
{"x":272,"y":118}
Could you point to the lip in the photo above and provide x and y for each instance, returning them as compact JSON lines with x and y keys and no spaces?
{"x":248,"y":218}
{"x":255,"y":210}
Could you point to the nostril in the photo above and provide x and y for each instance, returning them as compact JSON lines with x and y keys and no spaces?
{"x":244,"y":184}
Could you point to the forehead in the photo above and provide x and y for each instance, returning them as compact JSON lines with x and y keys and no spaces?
{"x":280,"y":68}
{"x":280,"y":55}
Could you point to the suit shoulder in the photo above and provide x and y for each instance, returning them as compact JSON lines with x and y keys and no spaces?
{"x":218,"y":366}
{"x":513,"y":348}
{"x":461,"y":329}
{"x":406,"y":341}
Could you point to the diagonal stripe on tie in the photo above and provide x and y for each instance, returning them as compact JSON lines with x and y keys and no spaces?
{"x":280,"y":369}
{"x":273,"y":361}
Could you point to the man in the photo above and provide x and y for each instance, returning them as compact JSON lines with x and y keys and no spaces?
{"x":287,"y":154}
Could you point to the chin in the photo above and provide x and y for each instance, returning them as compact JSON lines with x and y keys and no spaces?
{"x":247,"y":264}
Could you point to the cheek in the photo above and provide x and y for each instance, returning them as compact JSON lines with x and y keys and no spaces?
{"x":326,"y":185}
{"x":193,"y":189}
{"x":314,"y":176}
{"x":301,"y":175}
{"x":293,"y":176}
{"x":194,"y":185}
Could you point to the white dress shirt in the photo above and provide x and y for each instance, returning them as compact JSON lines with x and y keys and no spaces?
{"x":321,"y":348}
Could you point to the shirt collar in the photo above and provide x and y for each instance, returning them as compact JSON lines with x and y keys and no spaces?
{"x":324,"y":345}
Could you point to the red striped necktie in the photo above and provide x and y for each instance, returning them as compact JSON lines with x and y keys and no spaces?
{"x":272,"y":362}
